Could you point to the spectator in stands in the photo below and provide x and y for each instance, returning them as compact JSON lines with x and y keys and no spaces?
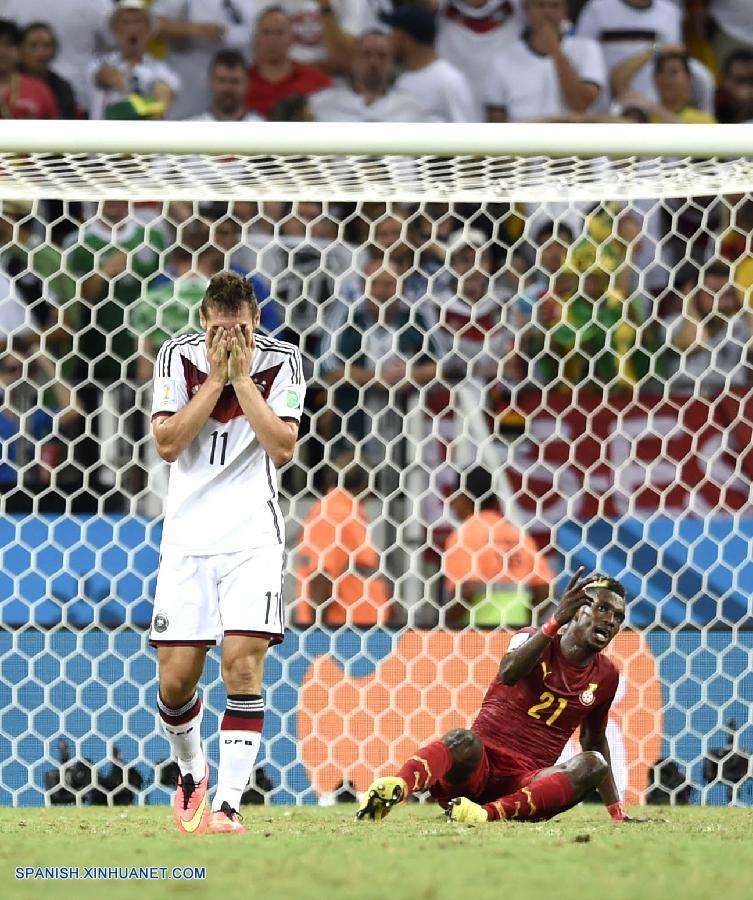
{"x":228,"y":87}
{"x":734,"y":99}
{"x":81,"y":28}
{"x":129,"y":83}
{"x":308,"y":266}
{"x":494,"y":573}
{"x":38,"y":416}
{"x":585,"y":334}
{"x":624,"y":27}
{"x":736,"y":249}
{"x":172,"y":307}
{"x":712,"y":339}
{"x":338,"y":568}
{"x":430,"y":233}
{"x":115,"y":258}
{"x":274,"y":75}
{"x":440,"y":88}
{"x":474,"y":34}
{"x":38,"y":49}
{"x":384,"y":350}
{"x":732,"y":28}
{"x":21,"y":96}
{"x":469,"y":318}
{"x":16,"y":330}
{"x":325,"y":31}
{"x":672,"y":79}
{"x":368,"y":96}
{"x":547,"y":73}
{"x":550,"y":245}
{"x":34,"y":264}
{"x":194,"y":31}
{"x":226,"y":233}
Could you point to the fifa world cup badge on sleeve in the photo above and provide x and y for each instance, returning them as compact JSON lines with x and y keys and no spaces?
{"x":168,"y":392}
{"x":294,"y":399}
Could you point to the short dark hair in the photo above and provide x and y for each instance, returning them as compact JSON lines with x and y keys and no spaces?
{"x":599,"y":580}
{"x":41,"y":26}
{"x":664,"y":58}
{"x":228,"y":291}
{"x":10,"y":31}
{"x":273,"y":8}
{"x":230,"y":59}
{"x":738,"y":56}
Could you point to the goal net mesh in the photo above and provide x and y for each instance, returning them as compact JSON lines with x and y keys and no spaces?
{"x":578,"y":367}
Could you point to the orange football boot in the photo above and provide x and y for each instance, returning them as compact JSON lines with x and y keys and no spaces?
{"x":225,"y":820}
{"x":190,"y":806}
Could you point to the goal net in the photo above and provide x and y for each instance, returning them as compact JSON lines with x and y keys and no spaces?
{"x":527,"y":349}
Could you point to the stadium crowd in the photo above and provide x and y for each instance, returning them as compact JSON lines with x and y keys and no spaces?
{"x":392,"y":305}
{"x":378,"y":60}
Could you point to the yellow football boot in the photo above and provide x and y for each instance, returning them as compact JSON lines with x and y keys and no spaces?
{"x":383,"y":794}
{"x":461,"y":809}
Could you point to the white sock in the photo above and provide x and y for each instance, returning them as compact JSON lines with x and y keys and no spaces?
{"x":240,"y":739}
{"x":182,"y":726}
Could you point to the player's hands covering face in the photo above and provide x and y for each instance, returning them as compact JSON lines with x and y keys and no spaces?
{"x":217,"y":352}
{"x":573,"y":599}
{"x":242,"y":346}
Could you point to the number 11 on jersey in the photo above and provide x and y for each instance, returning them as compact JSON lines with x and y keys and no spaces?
{"x":213,"y":451}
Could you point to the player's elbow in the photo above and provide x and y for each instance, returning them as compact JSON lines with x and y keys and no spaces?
{"x":282,"y":456}
{"x":167,"y":451}
{"x":507,"y":674}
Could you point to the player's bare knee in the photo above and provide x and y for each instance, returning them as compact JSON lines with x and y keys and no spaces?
{"x":242,"y":675}
{"x":465,"y":747}
{"x":590,"y":768}
{"x":176,"y":686}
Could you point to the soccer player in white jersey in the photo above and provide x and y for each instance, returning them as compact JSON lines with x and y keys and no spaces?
{"x":227,"y":406}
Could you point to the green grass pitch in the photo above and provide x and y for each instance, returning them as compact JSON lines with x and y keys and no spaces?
{"x":299,"y":853}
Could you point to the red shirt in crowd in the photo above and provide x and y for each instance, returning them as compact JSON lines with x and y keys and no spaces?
{"x":27,"y":98}
{"x":263,"y":95}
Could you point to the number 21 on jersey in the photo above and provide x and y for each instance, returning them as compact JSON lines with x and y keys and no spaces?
{"x":547,"y":700}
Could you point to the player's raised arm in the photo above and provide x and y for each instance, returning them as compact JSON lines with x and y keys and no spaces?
{"x":277,"y":435}
{"x":526,"y":649}
{"x":175,"y":421}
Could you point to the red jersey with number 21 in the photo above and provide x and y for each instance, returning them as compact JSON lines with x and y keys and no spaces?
{"x":534,"y":719}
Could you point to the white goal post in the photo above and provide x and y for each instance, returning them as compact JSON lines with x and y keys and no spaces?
{"x":546,"y":279}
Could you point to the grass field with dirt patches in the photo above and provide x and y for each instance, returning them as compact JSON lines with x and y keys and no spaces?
{"x":304,"y":852}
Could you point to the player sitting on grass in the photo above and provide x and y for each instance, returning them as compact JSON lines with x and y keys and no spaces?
{"x":551,"y":681}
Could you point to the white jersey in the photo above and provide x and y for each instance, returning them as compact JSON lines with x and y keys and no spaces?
{"x":140,"y":79}
{"x":222,"y":494}
{"x":191,"y":57}
{"x":539,"y":95}
{"x":209,"y":116}
{"x":443,"y":92}
{"x":734,"y":17}
{"x":473,"y":38}
{"x":342,"y":104}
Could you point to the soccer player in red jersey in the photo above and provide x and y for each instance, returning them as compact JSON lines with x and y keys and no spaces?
{"x":551,"y":681}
